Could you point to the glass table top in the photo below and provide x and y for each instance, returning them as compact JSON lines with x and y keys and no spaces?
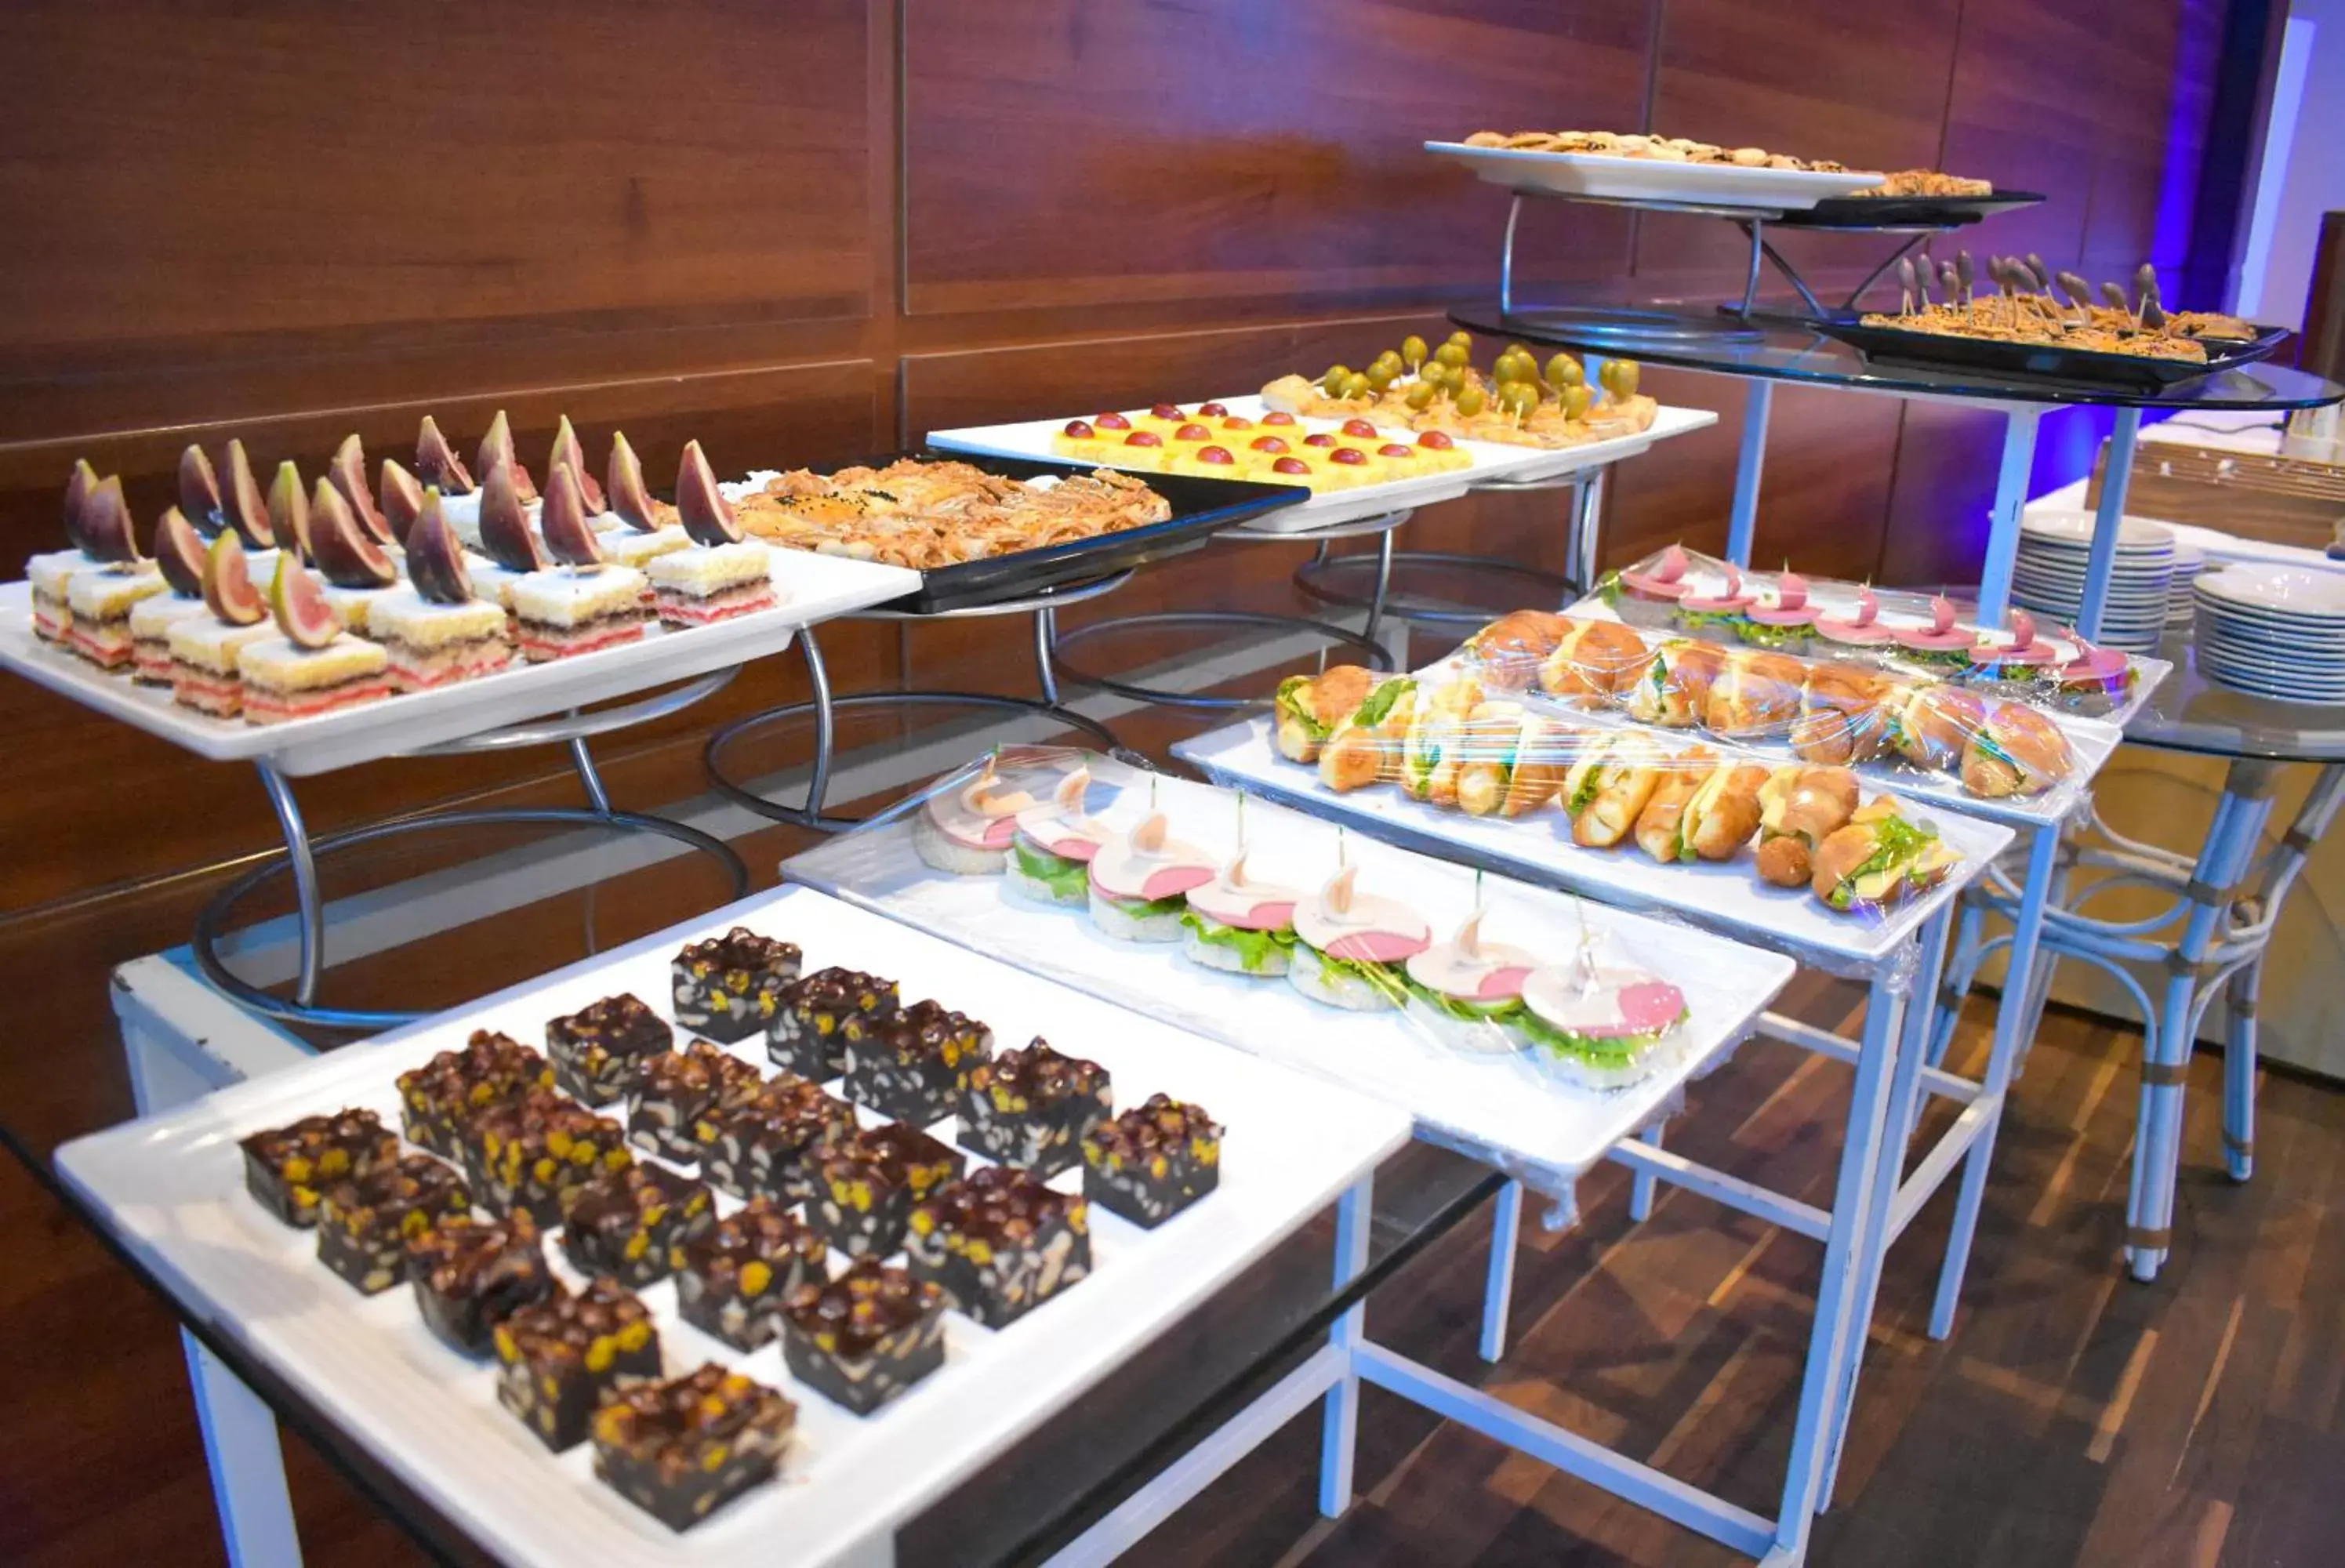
{"x":2189,"y":712}
{"x":1789,"y":353}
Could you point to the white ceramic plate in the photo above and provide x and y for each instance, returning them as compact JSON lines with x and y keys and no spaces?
{"x":172,"y":1188}
{"x":2056,"y":528}
{"x":1614,"y":179}
{"x":2294,"y":592}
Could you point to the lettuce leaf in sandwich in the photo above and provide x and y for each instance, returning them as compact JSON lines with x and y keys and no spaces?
{"x":1294,"y":702}
{"x":1380,"y":702}
{"x":1897,"y":844}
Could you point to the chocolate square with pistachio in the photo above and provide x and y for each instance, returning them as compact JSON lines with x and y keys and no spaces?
{"x":728,"y":986}
{"x":866,"y":1185}
{"x":806,"y":1035}
{"x":763,"y":1147}
{"x":597,"y":1049}
{"x":999,"y":1243}
{"x":440,"y":1097}
{"x":530,"y":1155}
{"x":364,"y":1224}
{"x":681,"y":1449}
{"x":625,"y":1224}
{"x":913,"y":1065}
{"x":864,"y":1338}
{"x":1031,"y":1108}
{"x":1151,"y":1162}
{"x":470,"y":1275}
{"x":288,"y":1169}
{"x":676,"y":1088}
{"x":732,"y":1279}
{"x":561,"y":1359}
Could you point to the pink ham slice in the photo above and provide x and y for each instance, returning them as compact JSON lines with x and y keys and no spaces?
{"x":999,"y":832}
{"x":1174,"y":879}
{"x":1265,"y":918}
{"x":1647,"y":1007}
{"x":1375,"y":947}
{"x":1499,"y":984}
{"x":1071,"y":848}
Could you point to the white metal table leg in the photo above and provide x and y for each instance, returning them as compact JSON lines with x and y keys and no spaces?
{"x":1340,"y":1427}
{"x":1750,"y":461}
{"x":248,"y":1466}
{"x":2116,"y":479}
{"x":1640,"y":1187}
{"x":1835,"y":1336}
{"x":1889,"y":1170}
{"x":1498,"y":1292}
{"x":2010,"y":496}
{"x":2010,"y":1016}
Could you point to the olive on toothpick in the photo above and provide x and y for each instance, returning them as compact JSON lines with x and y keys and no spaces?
{"x":1963,"y":270}
{"x":1905,"y":286}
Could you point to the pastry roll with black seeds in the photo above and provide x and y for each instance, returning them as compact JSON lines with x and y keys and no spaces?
{"x":764,"y":1147}
{"x":681,"y":1449}
{"x":728,"y":987}
{"x":864,"y":1338}
{"x":806,"y":1035}
{"x":731,"y":1279}
{"x":676,"y":1088}
{"x":1147,"y":1165}
{"x":438,"y":1100}
{"x":999,"y":1243}
{"x":627,"y":1223}
{"x":364,"y":1224}
{"x":530,"y":1155}
{"x":561,"y":1359}
{"x":470,"y":1275}
{"x":913,"y":1065}
{"x":865,"y":1187}
{"x":1031,"y":1108}
{"x":597,"y":1049}
{"x":286,"y":1168}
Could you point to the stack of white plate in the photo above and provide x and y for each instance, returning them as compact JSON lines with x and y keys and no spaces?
{"x":2047,"y":575}
{"x":2181,"y":604}
{"x":2274,"y":631}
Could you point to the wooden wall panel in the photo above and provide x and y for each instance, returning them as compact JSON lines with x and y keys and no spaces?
{"x":1865,"y":86}
{"x":1063,"y":152}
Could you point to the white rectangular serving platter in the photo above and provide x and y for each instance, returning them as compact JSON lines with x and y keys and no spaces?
{"x":1494,"y":1106}
{"x":817,"y":588}
{"x":171,"y":1188}
{"x":1617,"y":179}
{"x":1727,"y":897}
{"x":1494,"y":463}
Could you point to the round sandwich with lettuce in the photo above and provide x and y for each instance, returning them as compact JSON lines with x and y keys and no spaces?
{"x":1466,"y":990}
{"x":1139,"y":882}
{"x":1239,"y":925}
{"x":1597,"y":1026}
{"x":1350,"y":950}
{"x":967,"y":831}
{"x":1051,"y":847}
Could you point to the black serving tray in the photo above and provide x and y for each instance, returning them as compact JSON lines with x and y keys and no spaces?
{"x":1202,"y":508}
{"x":2045,"y":362}
{"x":1860,"y":212}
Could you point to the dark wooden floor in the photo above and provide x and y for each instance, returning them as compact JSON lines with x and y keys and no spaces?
{"x":2074,"y":1418}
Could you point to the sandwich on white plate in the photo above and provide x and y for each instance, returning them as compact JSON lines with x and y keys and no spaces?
{"x":1051,"y":847}
{"x":1351,"y":947}
{"x":1139,"y":882}
{"x":1239,"y":923}
{"x":967,"y":830}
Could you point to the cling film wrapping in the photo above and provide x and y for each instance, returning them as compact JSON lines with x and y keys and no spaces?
{"x":1971,"y":737}
{"x":1907,"y":636}
{"x":1288,"y":936}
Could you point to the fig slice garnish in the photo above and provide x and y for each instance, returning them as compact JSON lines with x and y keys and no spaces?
{"x":402,"y":498}
{"x":627,"y":493}
{"x":289,"y":510}
{"x":708,"y":515}
{"x":563,"y":518}
{"x":299,"y":604}
{"x":437,"y":463}
{"x":107,"y":532}
{"x":199,"y":492}
{"x":498,"y":445}
{"x":566,"y":450}
{"x":504,"y":523}
{"x":347,"y":553}
{"x":78,"y":485}
{"x":228,"y":583}
{"x":348,"y":474}
{"x":244,"y":509}
{"x":179,"y":552}
{"x":435,"y":559}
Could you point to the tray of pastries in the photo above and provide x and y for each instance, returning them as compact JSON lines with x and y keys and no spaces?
{"x":982,"y":526}
{"x":1665,"y":171}
{"x":747,"y":1252}
{"x":2021,"y":319}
